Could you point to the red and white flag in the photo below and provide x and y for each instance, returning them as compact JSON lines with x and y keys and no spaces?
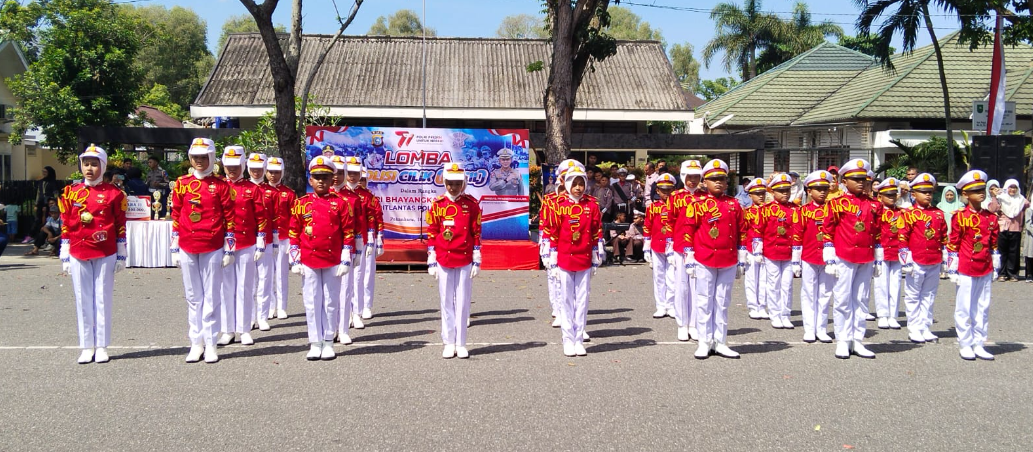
{"x":997,"y":85}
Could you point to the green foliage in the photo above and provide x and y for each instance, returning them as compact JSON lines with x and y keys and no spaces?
{"x":244,"y":23}
{"x":741,"y":32}
{"x":929,"y":156}
{"x":262,"y":138}
{"x":174,"y":50}
{"x":908,"y":20}
{"x":686,"y":67}
{"x":404,"y":22}
{"x":712,"y":89}
{"x":626,"y":25}
{"x":536,"y":188}
{"x":535,"y":66}
{"x":159,"y":97}
{"x":83,"y":74}
{"x":522,"y":26}
{"x":795,"y":36}
{"x":862,"y":43}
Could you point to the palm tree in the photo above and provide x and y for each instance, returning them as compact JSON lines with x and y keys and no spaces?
{"x":908,"y":19}
{"x":741,"y":33}
{"x":795,"y":36}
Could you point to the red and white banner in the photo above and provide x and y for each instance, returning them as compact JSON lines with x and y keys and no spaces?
{"x":998,"y":84}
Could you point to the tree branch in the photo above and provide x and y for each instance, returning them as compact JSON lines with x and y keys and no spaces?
{"x":302,"y":113}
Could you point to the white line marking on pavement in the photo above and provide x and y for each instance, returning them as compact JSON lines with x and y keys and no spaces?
{"x":484,"y":344}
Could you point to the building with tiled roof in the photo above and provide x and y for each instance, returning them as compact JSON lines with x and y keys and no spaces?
{"x":831,"y":103}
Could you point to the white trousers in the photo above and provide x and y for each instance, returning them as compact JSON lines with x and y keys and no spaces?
{"x":321,"y":290}
{"x":887,"y":290}
{"x":202,"y":284}
{"x":663,"y":281}
{"x":282,"y":272}
{"x":369,"y":275}
{"x":972,"y":311}
{"x":779,"y":284}
{"x":454,"y":285}
{"x":574,"y":308}
{"x":852,"y":291}
{"x":264,"y":274}
{"x":815,"y":295}
{"x":555,"y":293}
{"x":346,"y":291}
{"x":919,"y":294}
{"x":684,"y":292}
{"x":238,"y":293}
{"x":93,"y":281}
{"x":756,"y":295}
{"x":713,"y":294}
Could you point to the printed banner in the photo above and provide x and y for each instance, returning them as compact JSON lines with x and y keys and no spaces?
{"x":404,"y":166}
{"x":138,"y":208}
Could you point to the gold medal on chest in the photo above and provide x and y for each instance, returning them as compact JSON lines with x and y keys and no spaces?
{"x":86,"y":217}
{"x":447,"y":234}
{"x":576,"y":236}
{"x":929,"y":234}
{"x":195,"y":216}
{"x":859,"y":226}
{"x":308,"y":230}
{"x":893,"y":229}
{"x":977,"y":247}
{"x":821,"y":237}
{"x":781,"y":230}
{"x":714,"y":232}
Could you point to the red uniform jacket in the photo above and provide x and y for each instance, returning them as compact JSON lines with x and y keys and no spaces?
{"x":853,"y":227}
{"x":779,"y":229}
{"x":374,"y":212}
{"x":270,"y":198}
{"x":249,"y":213}
{"x":677,"y":204}
{"x":357,"y":209}
{"x":202,"y":213}
{"x":889,"y":235}
{"x":575,"y":228}
{"x":754,"y":227}
{"x":284,"y":201}
{"x":321,"y":226}
{"x":811,"y":237}
{"x":454,"y":229}
{"x":974,"y":237}
{"x":924,"y":232}
{"x":93,"y":219}
{"x":715,"y":226}
{"x":657,"y":226}
{"x":369,"y":204}
{"x":545,"y":214}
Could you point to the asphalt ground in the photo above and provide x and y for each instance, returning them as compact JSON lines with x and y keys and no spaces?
{"x":638,"y":388}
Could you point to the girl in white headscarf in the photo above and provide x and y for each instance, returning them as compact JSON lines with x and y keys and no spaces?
{"x":1011,"y":216}
{"x":1027,"y":242}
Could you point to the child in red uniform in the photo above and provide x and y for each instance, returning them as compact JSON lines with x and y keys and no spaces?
{"x":374,"y":247}
{"x":778,"y":225}
{"x":203,"y":228}
{"x":544,"y":216}
{"x":454,"y":256}
{"x":756,"y":293}
{"x":281,"y":241}
{"x":973,"y":264}
{"x":576,"y":252}
{"x":93,"y":249}
{"x":684,"y":312}
{"x":922,"y":250}
{"x":322,"y":235}
{"x":656,"y":232}
{"x":715,"y":227}
{"x":887,"y":285}
{"x":345,"y":166}
{"x":816,"y":285}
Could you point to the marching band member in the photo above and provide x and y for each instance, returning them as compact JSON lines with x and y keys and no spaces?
{"x":887,"y":285}
{"x":546,"y":213}
{"x":973,"y":264}
{"x":714,"y":229}
{"x":93,"y":249}
{"x":779,"y":222}
{"x":359,"y":305}
{"x":251,"y":227}
{"x":454,"y":256}
{"x":756,"y":293}
{"x":322,"y":235}
{"x":576,"y":251}
{"x":375,"y":248}
{"x":281,"y":239}
{"x":851,"y":235}
{"x":691,"y":174}
{"x":203,"y":228}
{"x":923,"y":238}
{"x":816,"y":285}
{"x":348,"y":318}
{"x":657,"y":231}
{"x":256,"y":164}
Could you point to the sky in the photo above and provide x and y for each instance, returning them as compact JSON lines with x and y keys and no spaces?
{"x":690,"y":22}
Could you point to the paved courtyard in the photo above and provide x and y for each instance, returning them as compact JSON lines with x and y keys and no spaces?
{"x":638,"y":389}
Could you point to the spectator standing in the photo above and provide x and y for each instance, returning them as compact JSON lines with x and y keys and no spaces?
{"x":603,"y":193}
{"x":614,"y":174}
{"x":11,"y":212}
{"x":837,"y":188}
{"x":134,"y":184}
{"x":1027,"y":242}
{"x":651,"y":177}
{"x":1011,"y":217}
{"x":904,"y":199}
{"x":622,"y":192}
{"x":46,"y":188}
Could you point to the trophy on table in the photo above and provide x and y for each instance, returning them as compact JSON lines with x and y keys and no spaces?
{"x":168,"y":210}
{"x":156,"y":205}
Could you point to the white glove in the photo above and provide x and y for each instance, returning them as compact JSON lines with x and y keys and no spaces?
{"x":690,"y":262}
{"x":259,"y":246}
{"x":296,"y":269}
{"x":174,"y":249}
{"x":828,"y":254}
{"x":740,"y":270}
{"x":120,"y":256}
{"x":669,"y":248}
{"x":996,"y":259}
{"x":943,"y":261}
{"x":797,"y":259}
{"x":371,"y":237}
{"x":905,"y":261}
{"x":380,"y":245}
{"x":228,"y":250}
{"x":647,"y":251}
{"x":554,"y":264}
{"x":227,"y":258}
{"x":758,"y":251}
{"x":952,"y":266}
{"x":66,"y":256}
{"x":359,"y":246}
{"x":601,"y":249}
{"x":476,"y":262}
{"x":432,"y":262}
{"x":880,"y":260}
{"x":744,"y":255}
{"x":346,"y":262}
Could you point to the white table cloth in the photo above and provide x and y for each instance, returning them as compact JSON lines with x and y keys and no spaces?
{"x":147,"y":243}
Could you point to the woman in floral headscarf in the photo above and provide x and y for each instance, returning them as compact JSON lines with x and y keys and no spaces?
{"x":1011,"y":216}
{"x":950,"y":203}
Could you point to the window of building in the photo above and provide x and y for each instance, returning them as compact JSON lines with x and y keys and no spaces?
{"x":781,"y":161}
{"x":829,"y":157}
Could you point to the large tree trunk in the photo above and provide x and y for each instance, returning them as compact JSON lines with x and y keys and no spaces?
{"x":559,"y":94}
{"x":946,"y":94}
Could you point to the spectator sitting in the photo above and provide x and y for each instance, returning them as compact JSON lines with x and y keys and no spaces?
{"x":3,"y":233}
{"x":48,"y":235}
{"x":134,"y":184}
{"x":628,"y":244}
